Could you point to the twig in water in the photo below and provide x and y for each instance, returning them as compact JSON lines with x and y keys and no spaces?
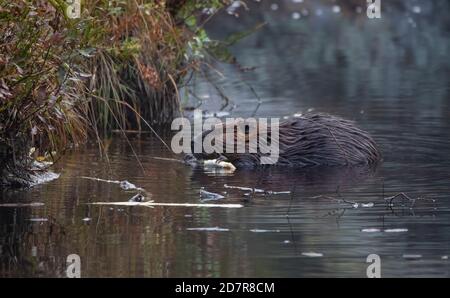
{"x":291,"y":200}
{"x":152,"y":204}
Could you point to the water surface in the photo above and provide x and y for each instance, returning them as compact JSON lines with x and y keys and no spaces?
{"x":391,"y":76}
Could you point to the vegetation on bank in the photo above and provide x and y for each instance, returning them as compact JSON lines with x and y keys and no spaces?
{"x":116,"y":66}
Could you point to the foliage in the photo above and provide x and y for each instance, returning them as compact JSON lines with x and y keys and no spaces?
{"x":117,"y":66}
{"x":39,"y":103}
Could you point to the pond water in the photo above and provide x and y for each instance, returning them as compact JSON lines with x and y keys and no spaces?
{"x":392,"y":76}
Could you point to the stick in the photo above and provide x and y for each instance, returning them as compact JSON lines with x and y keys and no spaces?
{"x":152,"y":204}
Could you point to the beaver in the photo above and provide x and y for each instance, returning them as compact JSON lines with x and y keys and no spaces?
{"x":304,"y":141}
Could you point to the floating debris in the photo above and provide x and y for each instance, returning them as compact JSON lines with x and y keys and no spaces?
{"x":38,"y":219}
{"x":124,"y":184}
{"x":264,"y":231}
{"x":43,"y":177}
{"x":233,"y":7}
{"x":22,"y":205}
{"x":278,"y":192}
{"x":312,"y":254}
{"x":244,"y":188}
{"x":153,"y":204}
{"x":216,"y":163}
{"x":137,"y":198}
{"x":210,"y":196}
{"x":296,"y":15}
{"x":250,"y":190}
{"x":396,"y":230}
{"x":217,"y":114}
{"x":371,"y":230}
{"x":209,"y":229}
{"x":416,"y":9}
{"x":336,"y":9}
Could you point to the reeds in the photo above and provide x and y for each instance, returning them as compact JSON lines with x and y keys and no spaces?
{"x":116,"y":67}
{"x":38,"y":103}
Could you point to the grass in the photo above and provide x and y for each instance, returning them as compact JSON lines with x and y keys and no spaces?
{"x":116,"y":67}
{"x":38,"y":103}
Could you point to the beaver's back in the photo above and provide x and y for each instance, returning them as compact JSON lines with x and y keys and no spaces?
{"x":320,"y":139}
{"x":317,"y":139}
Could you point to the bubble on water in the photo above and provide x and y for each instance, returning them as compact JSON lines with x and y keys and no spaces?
{"x":359,"y":9}
{"x":396,"y":230}
{"x":264,"y":231}
{"x":336,"y":9}
{"x":367,"y":205}
{"x":274,"y":6}
{"x":86,"y":219}
{"x":312,"y":254}
{"x":297,"y":1}
{"x":296,"y":15}
{"x":417,"y":9}
{"x":444,"y":257}
{"x":370,"y":230}
{"x":305,"y":12}
{"x":38,"y":219}
{"x":287,"y":241}
{"x":209,"y":229}
{"x":319,"y":12}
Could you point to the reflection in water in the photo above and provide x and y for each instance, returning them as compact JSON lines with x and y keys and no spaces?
{"x":391,"y":76}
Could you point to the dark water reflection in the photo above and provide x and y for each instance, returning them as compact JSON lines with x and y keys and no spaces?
{"x":389,"y":75}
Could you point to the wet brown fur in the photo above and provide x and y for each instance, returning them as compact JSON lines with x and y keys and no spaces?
{"x":309,"y":140}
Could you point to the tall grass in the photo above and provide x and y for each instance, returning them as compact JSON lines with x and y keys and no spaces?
{"x":139,"y":62}
{"x":38,"y":86}
{"x":117,"y":66}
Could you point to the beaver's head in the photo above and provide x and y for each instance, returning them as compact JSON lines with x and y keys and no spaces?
{"x":224,"y":138}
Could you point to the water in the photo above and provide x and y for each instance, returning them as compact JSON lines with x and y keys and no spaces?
{"x":391,"y":76}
